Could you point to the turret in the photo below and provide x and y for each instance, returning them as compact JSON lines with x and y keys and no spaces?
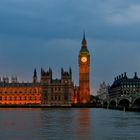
{"x":35,"y":76}
{"x":62,"y":71}
{"x":70,"y":72}
{"x":66,"y":76}
{"x":135,"y":75}
{"x":46,"y":77}
{"x":5,"y":79}
{"x":119,"y":76}
{"x":50,"y":72}
{"x":14,"y":79}
{"x":125,"y":75}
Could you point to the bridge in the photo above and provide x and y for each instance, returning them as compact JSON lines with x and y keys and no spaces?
{"x":127,"y":101}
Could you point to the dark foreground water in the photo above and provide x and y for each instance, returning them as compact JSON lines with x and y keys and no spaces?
{"x":68,"y":124}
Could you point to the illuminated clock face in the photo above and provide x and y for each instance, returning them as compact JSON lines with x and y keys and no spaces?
{"x":84,"y":59}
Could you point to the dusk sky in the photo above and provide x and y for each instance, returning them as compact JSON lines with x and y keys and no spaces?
{"x":48,"y":33}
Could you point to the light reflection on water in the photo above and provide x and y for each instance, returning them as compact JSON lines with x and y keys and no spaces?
{"x":68,"y":124}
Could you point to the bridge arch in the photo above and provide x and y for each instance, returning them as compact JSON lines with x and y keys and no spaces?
{"x":105,"y":103}
{"x":136,"y":102}
{"x":124,"y":103}
{"x":112,"y":103}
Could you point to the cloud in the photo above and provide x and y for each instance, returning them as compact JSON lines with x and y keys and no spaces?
{"x":126,"y":15}
{"x":50,"y":19}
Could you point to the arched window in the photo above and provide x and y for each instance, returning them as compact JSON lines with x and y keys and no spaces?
{"x":59,"y":97}
{"x":30,"y":98}
{"x":55,"y":97}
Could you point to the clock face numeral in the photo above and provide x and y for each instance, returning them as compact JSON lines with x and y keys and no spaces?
{"x":84,"y":59}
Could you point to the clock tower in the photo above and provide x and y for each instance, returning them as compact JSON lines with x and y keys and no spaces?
{"x":84,"y":72}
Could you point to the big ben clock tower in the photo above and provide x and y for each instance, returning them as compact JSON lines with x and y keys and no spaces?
{"x":84,"y":72}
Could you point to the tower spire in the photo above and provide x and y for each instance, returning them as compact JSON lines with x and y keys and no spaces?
{"x":84,"y":42}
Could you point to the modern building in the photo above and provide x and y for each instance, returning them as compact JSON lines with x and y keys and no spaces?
{"x":48,"y":91}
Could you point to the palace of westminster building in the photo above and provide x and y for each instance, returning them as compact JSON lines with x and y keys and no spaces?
{"x":48,"y":91}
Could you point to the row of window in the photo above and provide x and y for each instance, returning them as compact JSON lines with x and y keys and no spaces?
{"x":130,"y":85}
{"x":18,"y":92}
{"x":55,"y":89}
{"x":56,"y":98}
{"x":18,"y":98}
{"x":130,"y":92}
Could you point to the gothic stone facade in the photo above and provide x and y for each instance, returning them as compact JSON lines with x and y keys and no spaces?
{"x":56,"y":92}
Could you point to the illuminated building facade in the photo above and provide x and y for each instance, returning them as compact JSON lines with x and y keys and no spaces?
{"x":15,"y":93}
{"x":49,"y":91}
{"x":76,"y":95}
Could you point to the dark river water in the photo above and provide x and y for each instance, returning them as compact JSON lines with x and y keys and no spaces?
{"x":68,"y":124}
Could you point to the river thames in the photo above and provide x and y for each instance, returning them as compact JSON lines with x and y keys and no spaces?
{"x":68,"y":124}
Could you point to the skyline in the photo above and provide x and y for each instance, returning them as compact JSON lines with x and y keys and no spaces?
{"x":33,"y":33}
